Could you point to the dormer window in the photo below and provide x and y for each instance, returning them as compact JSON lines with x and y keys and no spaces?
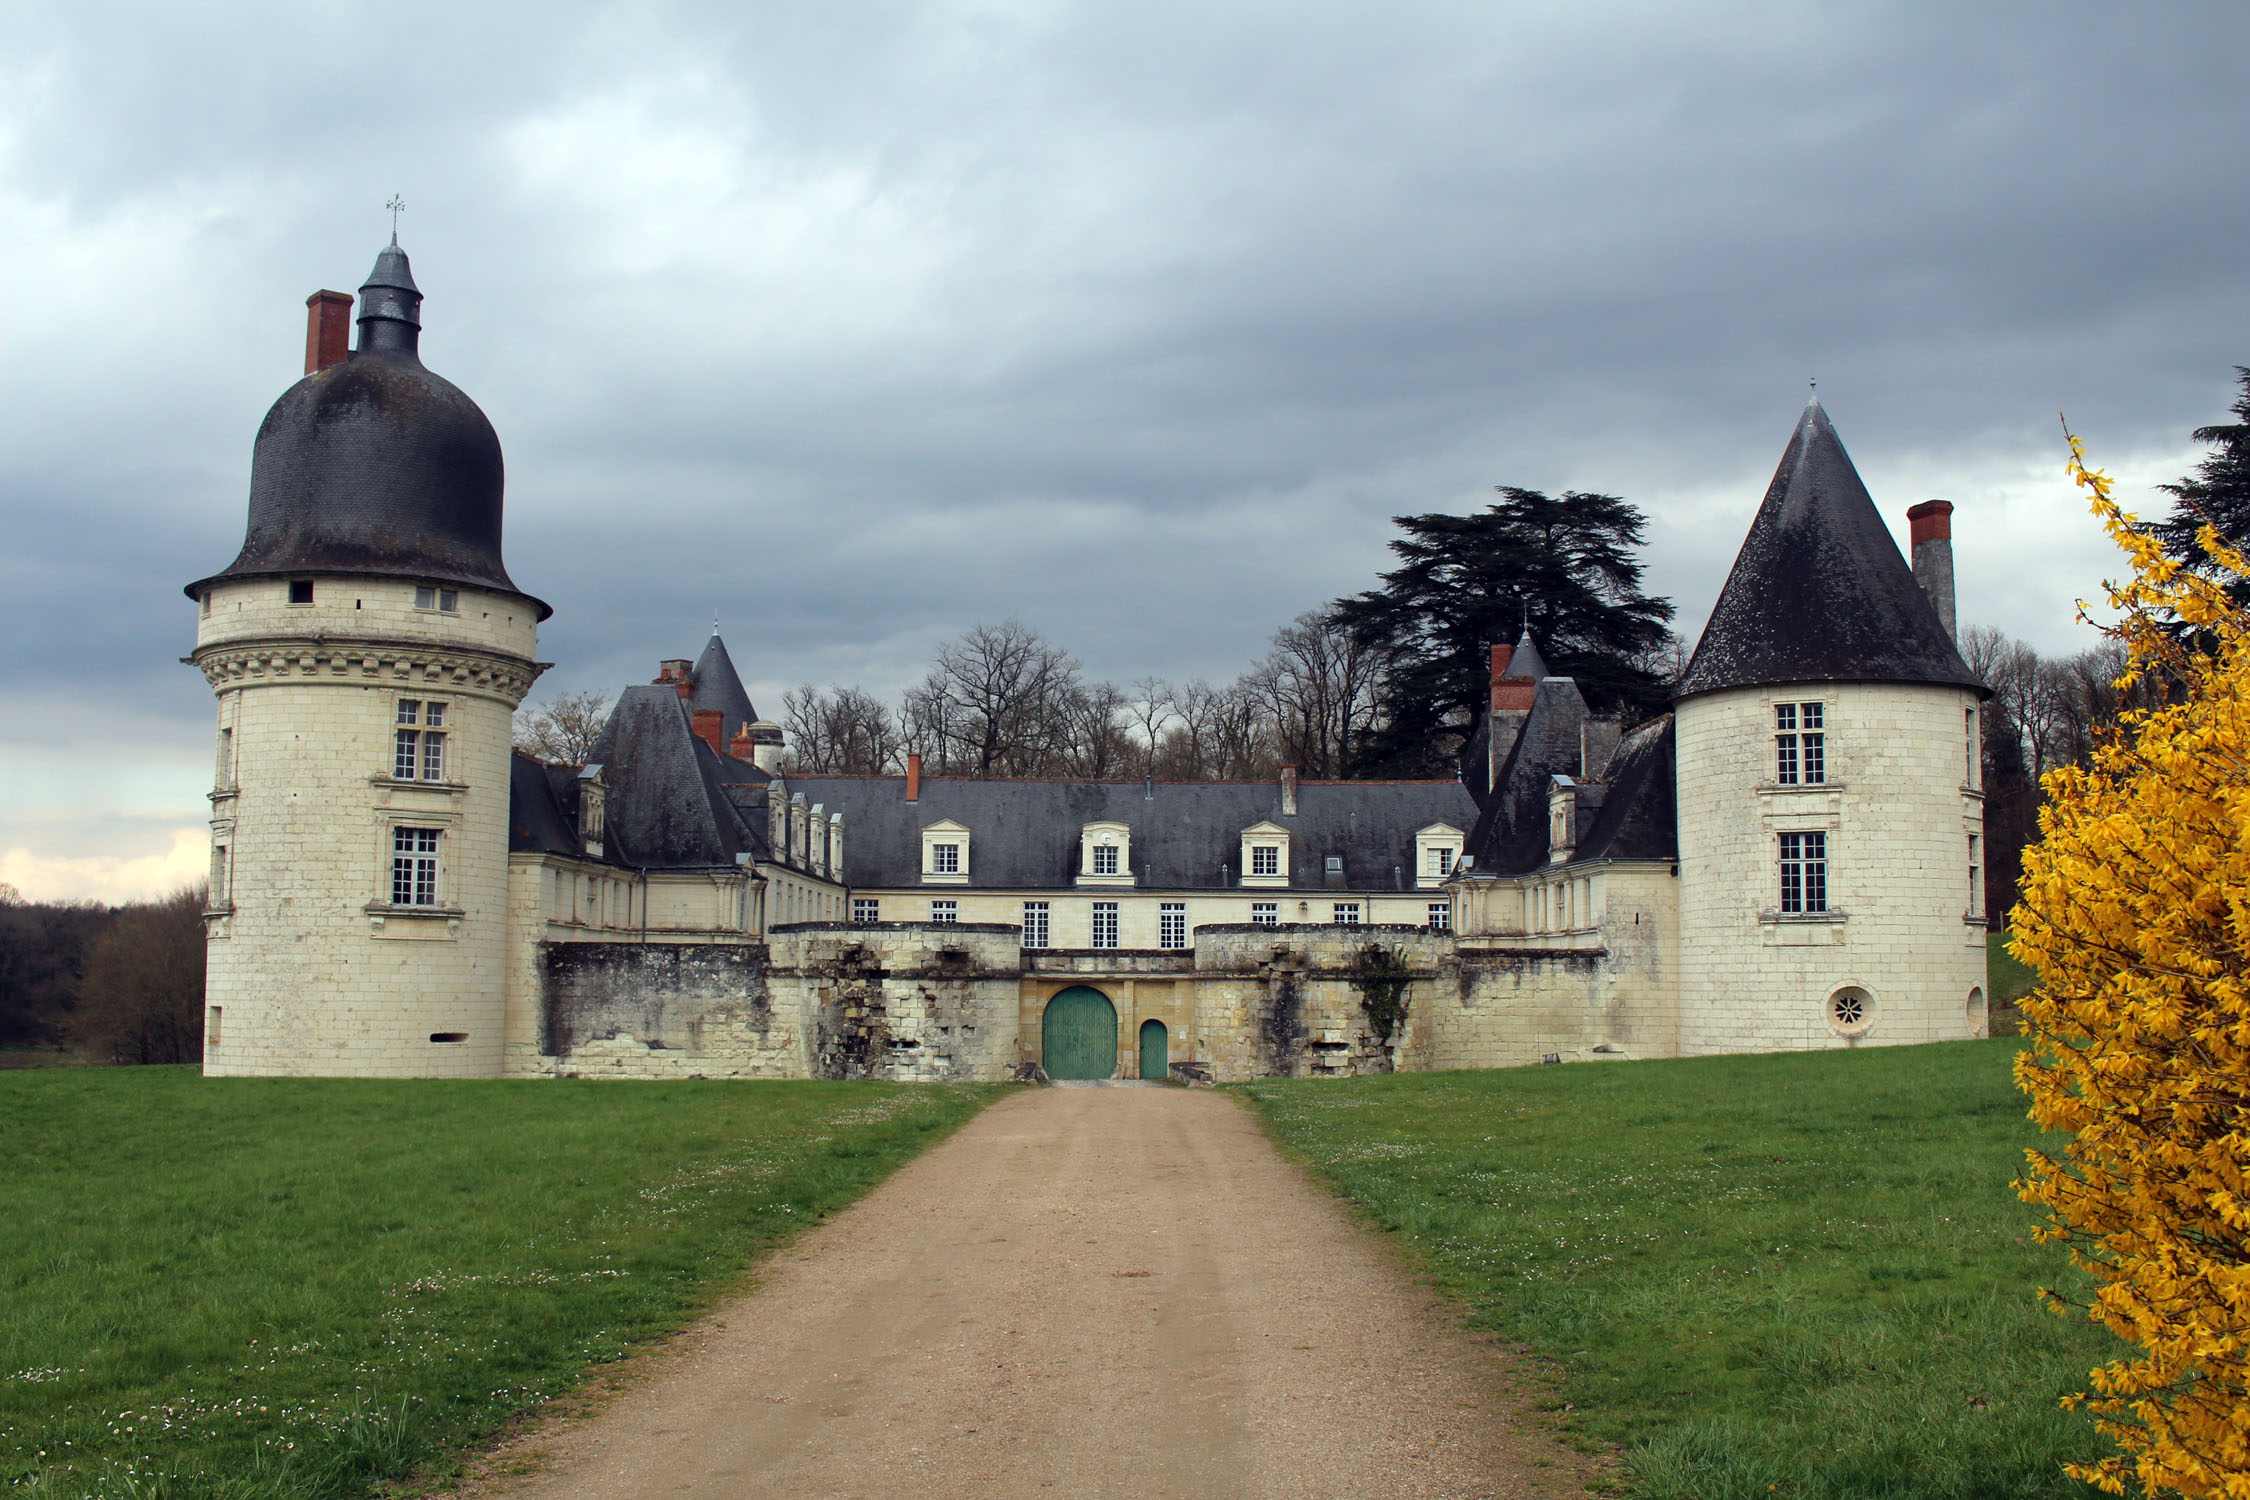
{"x":444,"y":601}
{"x":1105,"y":854}
{"x":945,"y":853}
{"x":1437,"y":850}
{"x":1265,"y":855}
{"x":591,"y":795}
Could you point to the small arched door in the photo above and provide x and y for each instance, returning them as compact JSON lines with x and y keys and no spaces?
{"x":1156,"y":1051}
{"x":1078,"y":1035}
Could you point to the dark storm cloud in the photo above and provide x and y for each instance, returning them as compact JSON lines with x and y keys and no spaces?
{"x":862,"y":324}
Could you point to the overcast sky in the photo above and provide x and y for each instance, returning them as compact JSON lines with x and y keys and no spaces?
{"x":861,"y":324}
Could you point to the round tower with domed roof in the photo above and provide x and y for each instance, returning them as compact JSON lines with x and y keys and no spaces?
{"x":368,"y":650}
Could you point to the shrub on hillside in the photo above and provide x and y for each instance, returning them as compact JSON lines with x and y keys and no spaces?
{"x":2136,"y":917}
{"x":141,"y":1000}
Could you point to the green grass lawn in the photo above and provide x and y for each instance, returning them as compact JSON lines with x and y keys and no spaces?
{"x":1799,"y":1275}
{"x":2011,"y":981}
{"x":256,"y":1288}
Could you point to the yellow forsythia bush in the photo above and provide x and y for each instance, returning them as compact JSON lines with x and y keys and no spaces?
{"x":2136,"y":915}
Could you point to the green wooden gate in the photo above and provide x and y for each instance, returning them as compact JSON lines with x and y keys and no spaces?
{"x":1078,"y":1035}
{"x":1156,"y":1052}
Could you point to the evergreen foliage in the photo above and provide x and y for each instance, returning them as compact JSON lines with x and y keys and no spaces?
{"x":1564,"y":564}
{"x":2218,"y":493}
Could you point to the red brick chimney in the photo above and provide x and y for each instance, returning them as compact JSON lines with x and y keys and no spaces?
{"x":328,"y":329}
{"x":707,"y":728}
{"x":913,"y":775}
{"x":742,"y":747}
{"x":1930,"y":524}
{"x":1500,"y":655}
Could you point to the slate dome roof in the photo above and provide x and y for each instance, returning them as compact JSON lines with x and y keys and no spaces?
{"x":1819,"y":591}
{"x":375,"y":464}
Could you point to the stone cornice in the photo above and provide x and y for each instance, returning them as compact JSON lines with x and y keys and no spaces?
{"x":342,"y":659}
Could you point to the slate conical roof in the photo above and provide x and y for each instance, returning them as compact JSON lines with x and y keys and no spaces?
{"x":1525,"y":660}
{"x":1819,"y":592}
{"x":718,"y":685}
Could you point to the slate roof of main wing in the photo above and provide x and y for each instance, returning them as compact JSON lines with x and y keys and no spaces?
{"x":1185,"y":835}
{"x":1819,"y":591}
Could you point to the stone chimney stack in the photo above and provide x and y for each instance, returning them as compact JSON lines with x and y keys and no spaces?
{"x":328,"y":329}
{"x":678,"y":673}
{"x":1931,"y":525}
{"x":1289,"y":791}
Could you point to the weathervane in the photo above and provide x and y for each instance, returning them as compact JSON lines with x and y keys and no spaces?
{"x":397,"y":206}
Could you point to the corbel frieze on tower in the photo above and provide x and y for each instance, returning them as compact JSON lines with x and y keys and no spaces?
{"x":489,"y":674}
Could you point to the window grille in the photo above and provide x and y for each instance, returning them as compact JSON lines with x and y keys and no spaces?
{"x":1347,"y":912}
{"x":414,"y":861}
{"x":945,"y":911}
{"x":1800,"y":744}
{"x":1105,"y":924}
{"x":1265,"y":913}
{"x":866,"y":909}
{"x":945,"y":859}
{"x":1105,"y":859}
{"x":1171,"y":925}
{"x":1441,"y":916}
{"x":1265,"y":859}
{"x":1804,"y":872}
{"x":1035,"y":924}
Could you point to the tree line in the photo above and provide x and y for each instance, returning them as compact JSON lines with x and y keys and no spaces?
{"x":114,"y":984}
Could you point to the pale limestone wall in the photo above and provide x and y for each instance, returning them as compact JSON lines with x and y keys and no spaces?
{"x":1605,"y":987}
{"x":795,"y":896}
{"x":1897,"y":811}
{"x":667,"y":1010}
{"x":1283,"y":1003}
{"x":312,"y":971}
{"x":1071,"y":913}
{"x":903,"y":1002}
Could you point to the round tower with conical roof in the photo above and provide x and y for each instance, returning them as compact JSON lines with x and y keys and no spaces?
{"x":368,"y":650}
{"x":1830,"y":813}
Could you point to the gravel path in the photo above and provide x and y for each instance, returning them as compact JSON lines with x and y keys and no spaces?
{"x":1086,"y":1292}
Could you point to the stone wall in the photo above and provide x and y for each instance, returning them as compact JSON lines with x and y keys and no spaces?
{"x":897,"y":1001}
{"x":1607,"y":990}
{"x":312,"y":968}
{"x":1283,"y":1001}
{"x":1898,"y":807}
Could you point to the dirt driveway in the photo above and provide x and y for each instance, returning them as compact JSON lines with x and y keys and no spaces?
{"x":1087,"y":1292}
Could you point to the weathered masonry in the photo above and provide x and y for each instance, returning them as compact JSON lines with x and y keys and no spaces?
{"x":1789,"y":859}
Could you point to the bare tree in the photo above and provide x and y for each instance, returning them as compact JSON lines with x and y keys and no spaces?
{"x":1000,"y":701}
{"x":1153,"y":705}
{"x":563,"y":729}
{"x":843,"y":731}
{"x":1318,"y":686}
{"x":1100,"y":744}
{"x":141,"y":999}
